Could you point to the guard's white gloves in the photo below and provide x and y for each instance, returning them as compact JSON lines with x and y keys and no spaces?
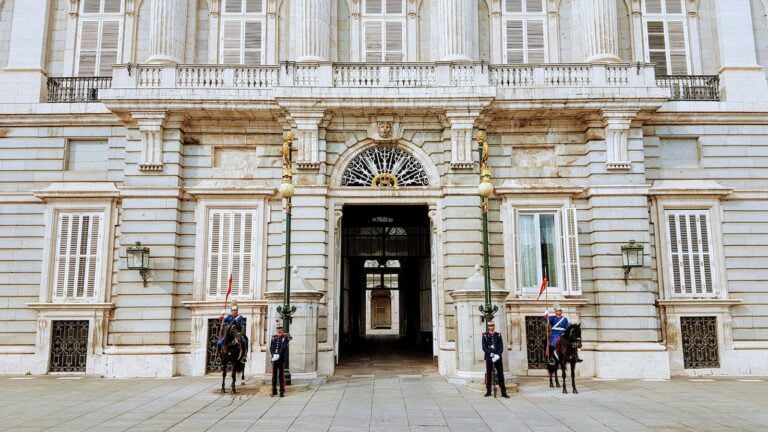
{"x":275,"y":357}
{"x":495,"y":357}
{"x":546,"y":312}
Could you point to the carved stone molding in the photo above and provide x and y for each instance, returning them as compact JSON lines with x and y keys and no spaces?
{"x":151,"y":130}
{"x":617,"y":124}
{"x":384,"y":130}
{"x":308,"y":125}
{"x":462,"y":125}
{"x":74,"y":7}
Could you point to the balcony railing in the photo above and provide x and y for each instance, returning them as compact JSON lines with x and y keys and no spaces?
{"x":381,"y":75}
{"x":76,"y":89}
{"x":691,"y":87}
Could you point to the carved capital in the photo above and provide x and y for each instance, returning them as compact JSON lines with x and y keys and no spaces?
{"x":617,"y":124}
{"x":462,"y":124}
{"x":74,"y":7}
{"x":151,"y":126}
{"x":308,"y":125}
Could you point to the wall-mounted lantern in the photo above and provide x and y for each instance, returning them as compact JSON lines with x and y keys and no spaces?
{"x":632,"y":256}
{"x":138,"y":259}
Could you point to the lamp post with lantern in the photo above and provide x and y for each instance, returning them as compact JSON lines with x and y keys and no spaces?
{"x":287,"y":189}
{"x":485,"y":189}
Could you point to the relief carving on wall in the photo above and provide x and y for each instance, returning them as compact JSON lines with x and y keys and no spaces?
{"x":384,"y":131}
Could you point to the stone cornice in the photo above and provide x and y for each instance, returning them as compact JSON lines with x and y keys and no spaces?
{"x":695,"y":188}
{"x":223,"y":188}
{"x":698,"y":304}
{"x":78,"y":190}
{"x":530,"y":301}
{"x":75,"y":307}
{"x":520,"y":188}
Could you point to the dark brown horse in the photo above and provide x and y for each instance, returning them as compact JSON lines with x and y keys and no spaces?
{"x":567,"y":349}
{"x":229,"y":353}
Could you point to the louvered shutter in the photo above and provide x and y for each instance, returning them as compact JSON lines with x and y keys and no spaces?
{"x":113,"y":6}
{"x":88,"y":48}
{"x":657,"y":47}
{"x":254,"y":6}
{"x":76,"y":263}
{"x":674,"y":6}
{"x":394,"y":7}
{"x":535,"y":39}
{"x":513,"y":6}
{"x":373,"y":7}
{"x":233,"y":6}
{"x":653,"y":6}
{"x":394,"y":41}
{"x":252,"y":42}
{"x":110,"y":40}
{"x":230,"y":46}
{"x":230,"y":252}
{"x":678,"y":52}
{"x":515,"y":42}
{"x":91,"y":6}
{"x":570,"y":251}
{"x":534,"y":6}
{"x":688,"y":236}
{"x":373,"y":41}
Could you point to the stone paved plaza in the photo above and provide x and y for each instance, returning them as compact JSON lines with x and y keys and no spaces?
{"x":384,"y":402}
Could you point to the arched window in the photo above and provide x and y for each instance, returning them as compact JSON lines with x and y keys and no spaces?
{"x":383,"y":30}
{"x":525,"y":31}
{"x":666,"y":36}
{"x":99,"y":37}
{"x":242,"y":32}
{"x":385,"y":167}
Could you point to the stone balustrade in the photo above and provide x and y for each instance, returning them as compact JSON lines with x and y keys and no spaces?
{"x":367,"y":75}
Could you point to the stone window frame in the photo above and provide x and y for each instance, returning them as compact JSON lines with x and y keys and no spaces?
{"x":258,"y":258}
{"x":664,"y":204}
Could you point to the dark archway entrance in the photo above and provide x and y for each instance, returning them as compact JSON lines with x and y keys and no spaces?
{"x":386,"y":296}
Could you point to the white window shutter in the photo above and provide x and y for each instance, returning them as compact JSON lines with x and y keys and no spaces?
{"x":535,"y":37}
{"x":76,"y":262}
{"x":678,"y":48}
{"x":705,"y":256}
{"x":570,"y":245}
{"x":373,"y":41}
{"x":674,"y":6}
{"x":254,"y":6}
{"x":515,"y":42}
{"x":394,"y":7}
{"x":231,"y":42}
{"x":689,"y":242}
{"x":214,"y":253}
{"x":91,"y":6}
{"x":88,"y":48}
{"x":113,"y":6}
{"x":394,"y":41}
{"x":252,"y":42}
{"x":110,"y":41}
{"x":230,"y":252}
{"x":657,"y":46}
{"x":373,"y":7}
{"x":513,"y":6}
{"x":653,"y":6}
{"x":233,"y":6}
{"x":534,"y":5}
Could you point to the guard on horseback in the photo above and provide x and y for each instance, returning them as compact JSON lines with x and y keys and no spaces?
{"x":278,"y":349}
{"x":558,"y":326}
{"x":493,"y":347}
{"x":234,"y":318}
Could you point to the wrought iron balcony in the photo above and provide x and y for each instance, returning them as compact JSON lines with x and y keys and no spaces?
{"x":76,"y":89}
{"x":691,"y":87}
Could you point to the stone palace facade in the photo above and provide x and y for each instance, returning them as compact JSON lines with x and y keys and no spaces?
{"x":162,"y":122}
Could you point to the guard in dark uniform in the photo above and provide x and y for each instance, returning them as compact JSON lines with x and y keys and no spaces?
{"x":278,"y":348}
{"x":493,"y":347}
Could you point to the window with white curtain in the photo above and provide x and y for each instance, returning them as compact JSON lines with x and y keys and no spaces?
{"x":689,"y":244}
{"x":525,"y":31}
{"x":666,"y":36}
{"x":384,"y":30}
{"x":77,"y":266}
{"x":99,"y":40}
{"x":547,"y":246}
{"x":242,"y":32}
{"x":231,"y":246}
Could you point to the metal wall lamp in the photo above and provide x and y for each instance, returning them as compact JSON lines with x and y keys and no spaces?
{"x":632,"y":256}
{"x":138,"y":259}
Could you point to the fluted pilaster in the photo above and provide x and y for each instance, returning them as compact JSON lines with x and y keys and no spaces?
{"x":314,"y":27}
{"x":457,"y":20}
{"x":601,"y":30}
{"x":168,"y":31}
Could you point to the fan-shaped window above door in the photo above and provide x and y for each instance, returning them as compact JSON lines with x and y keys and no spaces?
{"x":385,"y":167}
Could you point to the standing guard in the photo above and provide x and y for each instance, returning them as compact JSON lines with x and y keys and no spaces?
{"x":278,"y":348}
{"x":493,"y":347}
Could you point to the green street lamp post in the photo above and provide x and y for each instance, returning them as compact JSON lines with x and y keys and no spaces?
{"x":287,"y":189}
{"x":485,"y":189}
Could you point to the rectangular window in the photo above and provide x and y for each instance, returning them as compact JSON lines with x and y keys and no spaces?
{"x":666,"y":37}
{"x":76,"y":264}
{"x":99,"y":40}
{"x":242,"y":35}
{"x":384,"y":30}
{"x":230,"y":252}
{"x":525,"y":31}
{"x":690,"y":253}
{"x":547,"y":246}
{"x":86,"y":155}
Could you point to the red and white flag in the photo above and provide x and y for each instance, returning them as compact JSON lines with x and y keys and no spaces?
{"x":226,"y":299}
{"x":543,"y":287}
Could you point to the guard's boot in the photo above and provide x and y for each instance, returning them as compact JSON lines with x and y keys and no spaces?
{"x":487,"y":393}
{"x":505,"y":395}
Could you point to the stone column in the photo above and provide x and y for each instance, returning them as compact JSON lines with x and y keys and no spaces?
{"x":458,"y":26}
{"x":25,"y":76}
{"x":741,"y":77}
{"x":600,"y":31}
{"x":168,"y":19}
{"x":313,"y":30}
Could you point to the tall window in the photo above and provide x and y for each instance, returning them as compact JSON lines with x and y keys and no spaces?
{"x":666,"y":36}
{"x":242,"y":36}
{"x":525,"y":29}
{"x":230,"y":252}
{"x":547,"y":246}
{"x":690,"y":253}
{"x":100,"y":37}
{"x":384,"y":30}
{"x":76,"y":264}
